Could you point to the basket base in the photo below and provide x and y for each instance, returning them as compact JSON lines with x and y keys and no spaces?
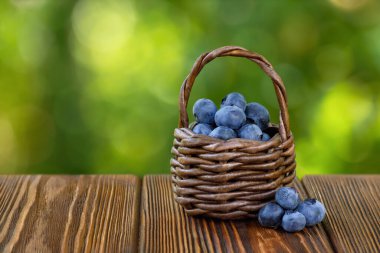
{"x":248,"y":211}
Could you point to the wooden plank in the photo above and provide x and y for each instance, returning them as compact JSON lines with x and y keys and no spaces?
{"x":353,"y":210}
{"x":69,"y":213}
{"x":164,"y":227}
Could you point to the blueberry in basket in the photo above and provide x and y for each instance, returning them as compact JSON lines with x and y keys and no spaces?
{"x":202,"y":128}
{"x":234,"y":99}
{"x":230,"y":116}
{"x":223,"y":133}
{"x":290,"y":213}
{"x":265,"y":137}
{"x":204,"y":111}
{"x":234,"y":119}
{"x":251,"y":132}
{"x":257,"y":114}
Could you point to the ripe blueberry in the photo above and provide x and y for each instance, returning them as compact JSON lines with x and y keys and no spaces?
{"x":201,"y":128}
{"x":257,"y":114}
{"x":293,"y":221}
{"x":251,"y":132}
{"x":287,"y":197}
{"x":223,"y":133}
{"x":270,"y":215}
{"x":313,"y":210}
{"x":230,"y":116}
{"x":265,"y":137}
{"x":204,"y":111}
{"x":235,"y":99}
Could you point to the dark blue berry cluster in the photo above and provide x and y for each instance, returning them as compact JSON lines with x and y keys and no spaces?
{"x":289,"y":212}
{"x":234,"y":119}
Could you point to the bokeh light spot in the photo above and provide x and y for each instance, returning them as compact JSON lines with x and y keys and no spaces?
{"x":334,"y":63}
{"x":344,"y":109}
{"x":299,"y":34}
{"x":103,"y":27}
{"x":349,"y":4}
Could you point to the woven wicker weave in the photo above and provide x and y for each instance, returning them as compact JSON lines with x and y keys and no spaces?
{"x":230,"y":179}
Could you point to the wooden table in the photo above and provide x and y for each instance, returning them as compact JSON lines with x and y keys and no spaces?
{"x":122,"y":213}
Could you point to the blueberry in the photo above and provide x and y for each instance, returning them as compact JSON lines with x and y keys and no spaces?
{"x":251,"y":132}
{"x":287,"y":197}
{"x":270,"y":215}
{"x":257,"y":114}
{"x":313,"y":210}
{"x":204,"y":111}
{"x":202,"y":129}
{"x":265,"y":137}
{"x":230,"y":116}
{"x":223,"y":133}
{"x":293,"y":221}
{"x":235,"y":99}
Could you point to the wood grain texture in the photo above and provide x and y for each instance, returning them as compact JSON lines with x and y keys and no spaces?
{"x":164,"y":227}
{"x":69,"y":213}
{"x":353,"y":210}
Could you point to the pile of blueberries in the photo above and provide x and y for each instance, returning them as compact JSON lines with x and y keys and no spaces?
{"x":290,"y":212}
{"x":235,"y":118}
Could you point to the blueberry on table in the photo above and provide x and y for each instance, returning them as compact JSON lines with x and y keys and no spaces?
{"x":202,"y":128}
{"x":223,"y":133}
{"x":313,"y":210}
{"x":235,"y":99}
{"x":270,"y":215}
{"x":293,"y":221}
{"x":265,"y":137}
{"x":204,"y":111}
{"x":230,"y":116}
{"x":257,"y":114}
{"x":251,"y":132}
{"x":287,"y":197}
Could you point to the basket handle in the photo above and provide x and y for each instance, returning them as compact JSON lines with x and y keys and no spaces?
{"x":205,"y":58}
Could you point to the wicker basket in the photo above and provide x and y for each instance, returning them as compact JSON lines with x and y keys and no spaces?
{"x":230,"y":179}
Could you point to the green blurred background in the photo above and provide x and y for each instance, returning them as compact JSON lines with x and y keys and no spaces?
{"x":91,"y":86}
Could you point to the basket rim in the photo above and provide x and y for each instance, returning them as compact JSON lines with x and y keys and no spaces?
{"x":215,"y":144}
